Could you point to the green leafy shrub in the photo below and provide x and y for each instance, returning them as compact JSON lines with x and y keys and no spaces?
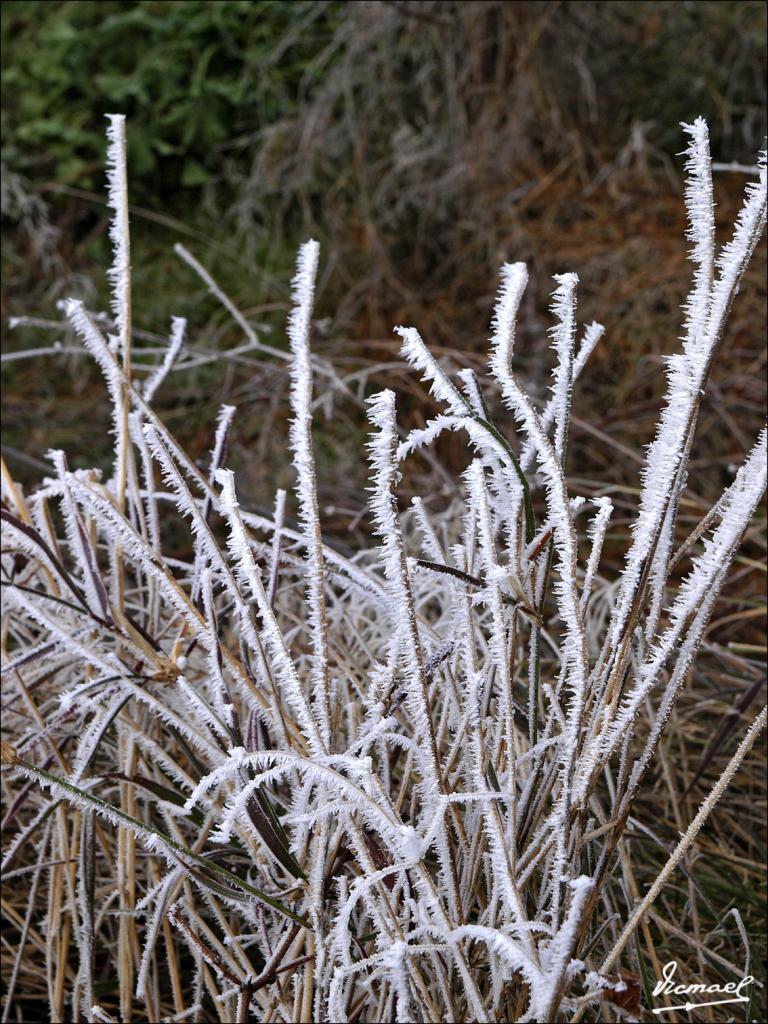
{"x":190,"y":76}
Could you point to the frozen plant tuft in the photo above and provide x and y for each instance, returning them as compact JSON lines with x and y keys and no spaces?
{"x":266,"y":781}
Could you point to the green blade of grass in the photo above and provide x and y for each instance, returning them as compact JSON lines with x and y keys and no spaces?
{"x":110,"y":811}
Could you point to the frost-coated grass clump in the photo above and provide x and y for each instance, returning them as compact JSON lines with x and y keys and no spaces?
{"x":274,"y":783}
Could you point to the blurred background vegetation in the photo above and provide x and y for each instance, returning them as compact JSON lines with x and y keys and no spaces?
{"x":423,"y":143}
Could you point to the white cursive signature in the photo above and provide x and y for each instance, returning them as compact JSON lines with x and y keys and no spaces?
{"x":732,"y":991}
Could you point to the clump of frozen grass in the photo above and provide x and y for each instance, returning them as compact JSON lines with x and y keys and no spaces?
{"x":401,"y":795}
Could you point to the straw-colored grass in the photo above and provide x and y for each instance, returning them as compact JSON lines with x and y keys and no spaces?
{"x":454,"y":776}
